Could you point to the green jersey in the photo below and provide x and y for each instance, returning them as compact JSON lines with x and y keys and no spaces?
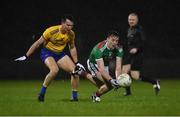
{"x":101,"y":51}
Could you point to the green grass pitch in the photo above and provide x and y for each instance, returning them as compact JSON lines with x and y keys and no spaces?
{"x":19,"y":97}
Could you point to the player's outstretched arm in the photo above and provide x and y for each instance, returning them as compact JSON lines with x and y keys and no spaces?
{"x":31,"y":50}
{"x":118,"y":70}
{"x":73,"y":52}
{"x":106,"y":75}
{"x":101,"y":68}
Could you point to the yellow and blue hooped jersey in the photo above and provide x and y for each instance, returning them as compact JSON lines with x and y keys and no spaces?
{"x":55,"y":40}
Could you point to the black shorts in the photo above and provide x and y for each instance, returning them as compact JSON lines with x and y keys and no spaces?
{"x":135,"y":60}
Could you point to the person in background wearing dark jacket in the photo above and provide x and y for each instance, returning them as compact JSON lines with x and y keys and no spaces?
{"x":133,"y":54}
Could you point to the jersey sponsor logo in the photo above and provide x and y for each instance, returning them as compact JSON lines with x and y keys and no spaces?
{"x":60,"y":41}
{"x":54,"y":31}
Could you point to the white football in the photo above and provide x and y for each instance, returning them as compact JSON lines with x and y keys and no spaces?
{"x":124,"y":80}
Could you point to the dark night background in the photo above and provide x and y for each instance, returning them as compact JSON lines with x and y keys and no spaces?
{"x":23,"y":22}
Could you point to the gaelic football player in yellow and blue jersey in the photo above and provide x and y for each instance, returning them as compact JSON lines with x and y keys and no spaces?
{"x":54,"y":40}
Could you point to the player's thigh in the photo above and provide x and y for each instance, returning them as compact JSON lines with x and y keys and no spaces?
{"x":93,"y":68}
{"x":51,"y":64}
{"x":137,"y":62}
{"x":126,"y":68}
{"x":66,"y":63}
{"x":135,"y":74}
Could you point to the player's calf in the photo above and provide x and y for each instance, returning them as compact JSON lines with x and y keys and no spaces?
{"x":74,"y":97}
{"x":127,"y":91}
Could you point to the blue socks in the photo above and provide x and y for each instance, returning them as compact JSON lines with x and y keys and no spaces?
{"x":43,"y":90}
{"x":74,"y":94}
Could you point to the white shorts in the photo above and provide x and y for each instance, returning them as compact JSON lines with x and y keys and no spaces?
{"x":93,"y":68}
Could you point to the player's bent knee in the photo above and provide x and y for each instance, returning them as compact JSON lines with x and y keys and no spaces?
{"x":135,"y":77}
{"x":54,"y":72}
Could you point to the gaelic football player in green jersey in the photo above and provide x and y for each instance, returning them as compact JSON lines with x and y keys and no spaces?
{"x":98,"y":62}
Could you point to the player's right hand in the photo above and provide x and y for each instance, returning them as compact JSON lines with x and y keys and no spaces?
{"x":114,"y":83}
{"x":22,"y":58}
{"x":77,"y":71}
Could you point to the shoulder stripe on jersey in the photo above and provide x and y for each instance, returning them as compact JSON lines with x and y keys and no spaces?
{"x":101,"y":44}
{"x":54,"y":31}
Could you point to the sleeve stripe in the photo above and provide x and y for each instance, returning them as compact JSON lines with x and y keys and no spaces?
{"x":99,"y":59}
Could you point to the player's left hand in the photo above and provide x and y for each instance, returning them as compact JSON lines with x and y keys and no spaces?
{"x":80,"y":66}
{"x":133,"y":51}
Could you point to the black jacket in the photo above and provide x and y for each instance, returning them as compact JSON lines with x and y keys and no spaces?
{"x":135,"y":38}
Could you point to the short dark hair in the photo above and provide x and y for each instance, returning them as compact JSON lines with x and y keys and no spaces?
{"x":67,"y":16}
{"x":134,"y":14}
{"x":113,"y":33}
